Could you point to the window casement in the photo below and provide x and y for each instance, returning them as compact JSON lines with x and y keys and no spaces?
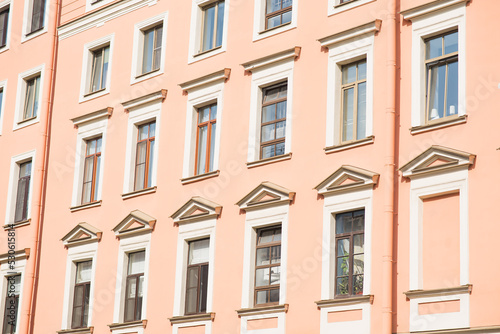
{"x":134,"y":286}
{"x":441,"y":63}
{"x":11,"y":307}
{"x":267,"y":266}
{"x":144,"y":155}
{"x":349,"y":253}
{"x":4,"y":25}
{"x":197,"y":276}
{"x":99,"y":70}
{"x":36,"y":16}
{"x":205,"y":139}
{"x":97,"y":58}
{"x":2,"y":90}
{"x":278,"y":12}
{"x":212,"y":26}
{"x":151,"y":52}
{"x":353,"y":100}
{"x":31,"y":98}
{"x":81,"y":298}
{"x":91,"y":170}
{"x":273,"y":121}
{"x":23,"y":189}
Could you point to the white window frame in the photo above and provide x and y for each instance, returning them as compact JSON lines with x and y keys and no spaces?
{"x":5,"y":271}
{"x":3,"y":87}
{"x":195,"y":31}
{"x":139,"y":28}
{"x":10,"y":4}
{"x":259,"y":21}
{"x":92,"y":6}
{"x":27,"y":21}
{"x":78,"y":253}
{"x":87,"y":67}
{"x":334,"y":6}
{"x":21,"y":95}
{"x":15,"y":162}
{"x":423,"y":27}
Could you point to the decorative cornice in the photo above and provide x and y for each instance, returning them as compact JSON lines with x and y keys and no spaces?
{"x":131,"y":324}
{"x":206,"y":79}
{"x":82,"y":233}
{"x":192,"y":318}
{"x":134,"y":103}
{"x":93,"y":116}
{"x":439,"y":292}
{"x":196,"y":209}
{"x":262,"y":310}
{"x":271,"y":59}
{"x":18,"y":255}
{"x":264,"y":195}
{"x":128,"y":226}
{"x":87,"y":330}
{"x":368,"y":28}
{"x":347,"y":178}
{"x":345,"y":301}
{"x":415,"y":12}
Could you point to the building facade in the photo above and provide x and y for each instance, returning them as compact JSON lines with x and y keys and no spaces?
{"x":253,"y":167}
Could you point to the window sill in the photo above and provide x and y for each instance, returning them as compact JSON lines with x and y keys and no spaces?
{"x":146,"y":73}
{"x":87,"y":330}
{"x":94,"y":92}
{"x":345,"y":300}
{"x":93,"y":95}
{"x":145,"y":76}
{"x":192,"y":318}
{"x":274,"y":28}
{"x":196,"y":178}
{"x":438,"y":125}
{"x":139,"y":192}
{"x":335,"y":9}
{"x":201,"y":53}
{"x":18,"y":224}
{"x":439,"y":292}
{"x":340,"y":5}
{"x":131,"y":324}
{"x":266,"y":161}
{"x":85,"y":206}
{"x":352,"y":144}
{"x":262,"y":310}
{"x":26,"y":120}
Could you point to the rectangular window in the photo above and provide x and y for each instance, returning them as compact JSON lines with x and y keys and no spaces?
{"x":205,"y":139}
{"x":273,"y":122}
{"x":1,"y":100}
{"x":268,"y":266}
{"x":134,"y":286}
{"x":349,"y":245}
{"x":82,"y":295}
{"x":151,"y":57}
{"x":353,"y":92}
{"x":278,"y":12}
{"x":91,"y":170}
{"x":23,"y":187}
{"x":37,"y":15}
{"x":31,"y":98}
{"x":144,"y":155}
{"x":197,"y":276}
{"x":441,"y":61}
{"x":4,"y":24}
{"x":11,"y":304}
{"x":213,"y":24}
{"x":99,"y":71}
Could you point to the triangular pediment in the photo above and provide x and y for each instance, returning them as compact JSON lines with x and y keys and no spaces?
{"x":196,"y":209}
{"x":266,"y":194}
{"x":437,"y":159}
{"x":347,"y":178}
{"x":135,"y":222}
{"x":82,"y":233}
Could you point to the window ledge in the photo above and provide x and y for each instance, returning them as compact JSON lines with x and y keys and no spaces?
{"x":274,"y":28}
{"x":26,"y":120}
{"x":139,"y":323}
{"x":439,"y":292}
{"x":94,"y":92}
{"x":87,"y":330}
{"x":17,"y":224}
{"x":262,"y":310}
{"x":85,"y":206}
{"x":343,"y":301}
{"x":438,"y":125}
{"x":266,"y":161}
{"x":201,"y":53}
{"x":349,"y":145}
{"x":344,"y":4}
{"x":139,"y":76}
{"x":139,"y":192}
{"x":191,"y":179}
{"x":192,"y":318}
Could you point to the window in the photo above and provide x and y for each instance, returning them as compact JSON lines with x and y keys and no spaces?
{"x":4,"y":25}
{"x":31,"y":98}
{"x":99,"y":70}
{"x":278,"y":12}
{"x":134,"y":286}
{"x":11,"y":304}
{"x":441,"y":62}
{"x":81,"y":297}
{"x":37,"y":11}
{"x":349,"y":245}
{"x":273,"y":121}
{"x":144,"y":155}
{"x":96,"y":68}
{"x":1,"y":107}
{"x":197,"y":276}
{"x":213,"y":25}
{"x":23,"y":188}
{"x":268,"y":266}
{"x":207,"y":118}
{"x":353,"y":92}
{"x":91,"y":170}
{"x":151,"y":57}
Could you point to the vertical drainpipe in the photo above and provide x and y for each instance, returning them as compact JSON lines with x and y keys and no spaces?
{"x":389,"y":169}
{"x":33,"y":275}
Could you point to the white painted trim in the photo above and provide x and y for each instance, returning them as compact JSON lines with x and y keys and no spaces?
{"x":5,"y":271}
{"x":410,"y":14}
{"x":138,"y":47}
{"x":78,"y":253}
{"x":3,"y":87}
{"x":87,"y":67}
{"x":426,"y":26}
{"x":3,"y":4}
{"x":272,"y":59}
{"x":13,"y":178}
{"x":332,"y":9}
{"x":261,"y":78}
{"x":27,"y":20}
{"x":199,"y":97}
{"x":21,"y":95}
{"x":340,"y":54}
{"x":278,"y":330}
{"x":208,"y":326}
{"x":259,"y":20}
{"x":346,"y":327}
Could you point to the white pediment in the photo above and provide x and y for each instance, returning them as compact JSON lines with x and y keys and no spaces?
{"x":347,"y":178}
{"x":82,"y":233}
{"x":196,"y":209}
{"x":266,"y":194}
{"x":136,"y":222}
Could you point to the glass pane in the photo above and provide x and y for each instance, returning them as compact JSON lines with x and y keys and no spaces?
{"x":199,"y":251}
{"x":343,"y":223}
{"x":273,"y":21}
{"x":262,"y":297}
{"x":286,"y":3}
{"x":342,"y":286}
{"x":141,"y":152}
{"x":273,"y":5}
{"x":77,"y":317}
{"x":91,"y":147}
{"x":159,"y":34}
{"x":129,"y":310}
{"x":262,"y":277}
{"x":203,"y":288}
{"x":266,"y":236}
{"x":274,"y":296}
{"x":436,"y":101}
{"x":192,"y":277}
{"x":357,"y":284}
{"x":202,"y":149}
{"x":203,"y":115}
{"x":150,"y":162}
{"x":212,"y":147}
{"x":96,"y":186}
{"x":1,"y":98}
{"x":286,"y":17}
{"x":268,"y":151}
{"x":452,"y":89}
{"x":143,"y":131}
{"x":87,"y":192}
{"x":434,"y":48}
{"x":343,"y":266}
{"x":262,"y":256}
{"x":362,"y":70}
{"x":271,"y":94}
{"x":105,"y":67}
{"x":213,"y":112}
{"x":343,"y":247}
{"x":131,"y":287}
{"x":29,"y":99}
{"x":268,"y":113}
{"x":191,"y":298}
{"x":280,"y":148}
{"x":451,"y":43}
{"x":281,"y":110}
{"x":283,"y":91}
{"x":16,"y":282}
{"x":141,"y":284}
{"x":89,"y":169}
{"x":275,"y":275}
{"x":25,"y":169}
{"x":147,"y":55}
{"x":21,"y":199}
{"x":280,"y":130}
{"x":361,"y":117}
{"x":220,"y":24}
{"x":358,"y":263}
{"x":78,"y":301}
{"x":275,"y":254}
{"x":96,"y":71}
{"x":267,"y":132}
{"x":358,"y":222}
{"x":348,"y":115}
{"x":140,"y":174}
{"x":136,"y":262}
{"x":83,"y":271}
{"x":152,"y":129}
{"x":208,"y":28}
{"x":349,"y":73}
{"x":86,"y":306}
